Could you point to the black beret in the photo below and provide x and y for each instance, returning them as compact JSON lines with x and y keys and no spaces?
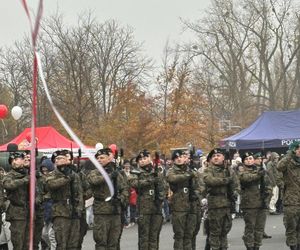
{"x":67,"y":152}
{"x":177,"y":153}
{"x":215,"y":151}
{"x":59,"y":152}
{"x":143,"y":153}
{"x":103,"y":151}
{"x":15,"y":155}
{"x":247,"y":154}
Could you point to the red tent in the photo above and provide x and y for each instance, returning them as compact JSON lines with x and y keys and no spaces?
{"x":48,"y":140}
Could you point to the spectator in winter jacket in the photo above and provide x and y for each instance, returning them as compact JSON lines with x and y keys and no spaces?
{"x":48,"y":234}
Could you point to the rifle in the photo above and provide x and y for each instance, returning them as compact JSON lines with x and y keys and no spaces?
{"x":263,"y":192}
{"x":121,"y":157}
{"x":230,"y":189}
{"x":192,"y":194}
{"x":157,"y":187}
{"x":78,"y":160}
{"x":114,"y":175}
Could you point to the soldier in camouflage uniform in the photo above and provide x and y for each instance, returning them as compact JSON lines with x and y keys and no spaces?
{"x":258,"y":162}
{"x":66,"y":192}
{"x":78,"y":227}
{"x":255,"y":192}
{"x":150,"y":190}
{"x":48,"y":234}
{"x":17,"y":189}
{"x":222,"y":188}
{"x":198,"y":187}
{"x":182,"y":184}
{"x":39,"y":210}
{"x":107,"y":214}
{"x":290,"y":167}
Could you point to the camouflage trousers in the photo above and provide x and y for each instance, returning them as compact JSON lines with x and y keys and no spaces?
{"x":74,"y":234}
{"x":197,"y":228}
{"x":62,"y":227}
{"x":220,"y":223}
{"x":106,"y":231}
{"x":19,"y":234}
{"x":255,"y":221}
{"x":184,"y":224}
{"x":291,"y":220}
{"x":149,"y":227}
{"x":83,"y":229}
{"x":38,"y":228}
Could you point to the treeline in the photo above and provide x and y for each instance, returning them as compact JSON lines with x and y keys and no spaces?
{"x":244,"y":59}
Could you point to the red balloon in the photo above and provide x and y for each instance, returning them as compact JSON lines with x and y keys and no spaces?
{"x":113,"y":148}
{"x":3,"y":111}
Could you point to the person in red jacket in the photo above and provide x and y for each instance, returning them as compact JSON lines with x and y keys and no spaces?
{"x":132,"y":206}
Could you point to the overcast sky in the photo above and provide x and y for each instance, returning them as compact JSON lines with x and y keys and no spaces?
{"x":153,"y":21}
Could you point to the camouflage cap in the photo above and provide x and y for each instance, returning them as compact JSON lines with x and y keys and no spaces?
{"x":143,"y":153}
{"x":103,"y":151}
{"x":245,"y":155}
{"x":15,"y":155}
{"x":177,"y":153}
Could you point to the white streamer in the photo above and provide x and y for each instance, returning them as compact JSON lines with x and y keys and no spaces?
{"x":71,"y":133}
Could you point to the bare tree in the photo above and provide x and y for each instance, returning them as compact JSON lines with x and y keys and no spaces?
{"x":251,"y":51}
{"x":117,"y":59}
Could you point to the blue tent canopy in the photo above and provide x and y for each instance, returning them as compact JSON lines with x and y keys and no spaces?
{"x":273,"y":129}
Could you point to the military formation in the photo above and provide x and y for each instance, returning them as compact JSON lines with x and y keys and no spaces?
{"x":210,"y":193}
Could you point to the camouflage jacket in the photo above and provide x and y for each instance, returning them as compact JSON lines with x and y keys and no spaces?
{"x":39,"y":195}
{"x":86,"y":188}
{"x":182,"y":184}
{"x":17,"y":190}
{"x":221,"y":184}
{"x":101,"y":191}
{"x":290,"y":169}
{"x":252,"y":195}
{"x":275,"y":176}
{"x":150,"y":191}
{"x":66,"y":193}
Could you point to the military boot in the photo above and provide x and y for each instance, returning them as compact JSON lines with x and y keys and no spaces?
{"x":293,"y":247}
{"x":250,"y":248}
{"x":255,"y":248}
{"x":298,"y":247}
{"x":265,"y":236}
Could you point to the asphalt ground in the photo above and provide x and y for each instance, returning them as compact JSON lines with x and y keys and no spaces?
{"x":274,"y":227}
